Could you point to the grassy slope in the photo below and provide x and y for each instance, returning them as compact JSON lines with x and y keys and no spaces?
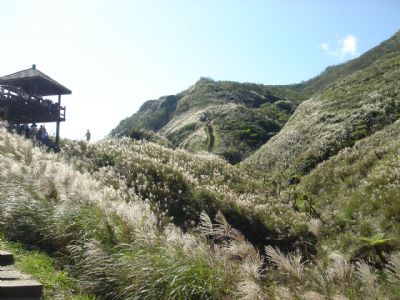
{"x":183,"y":183}
{"x":114,"y":241}
{"x":115,"y":210}
{"x":335,"y":73}
{"x":259,"y":111}
{"x":104,"y":211}
{"x":244,"y":115}
{"x":351,"y":109}
{"x":355,"y":193}
{"x":57,"y":283}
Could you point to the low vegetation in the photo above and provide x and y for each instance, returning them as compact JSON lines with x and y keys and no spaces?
{"x":312,"y":214}
{"x":243,"y":117}
{"x":57,"y":283}
{"x":110,"y":221}
{"x":349,"y":110}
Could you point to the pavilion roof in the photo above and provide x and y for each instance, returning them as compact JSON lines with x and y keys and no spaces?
{"x":32,"y":80}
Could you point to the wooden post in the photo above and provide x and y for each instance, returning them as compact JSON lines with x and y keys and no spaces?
{"x":6,"y":112}
{"x":58,"y":120}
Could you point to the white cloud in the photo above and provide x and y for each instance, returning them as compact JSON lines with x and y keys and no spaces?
{"x":346,"y":47}
{"x":324,"y":46}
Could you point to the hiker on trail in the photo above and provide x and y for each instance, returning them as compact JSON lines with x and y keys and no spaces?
{"x":33,"y":133}
{"x":87,"y":135}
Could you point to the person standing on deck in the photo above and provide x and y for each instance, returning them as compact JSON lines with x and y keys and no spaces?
{"x":87,"y":135}
{"x":33,"y":133}
{"x":27,"y":131}
{"x":43,"y":135}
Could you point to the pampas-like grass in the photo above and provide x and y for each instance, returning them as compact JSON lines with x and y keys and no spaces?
{"x":111,"y":228}
{"x":206,"y":225}
{"x":249,"y":290}
{"x":339,"y":267}
{"x":291,"y":264}
{"x":368,"y":279}
{"x":311,"y":295}
{"x":314,"y":226}
{"x":394,"y":267}
{"x":223,"y":229}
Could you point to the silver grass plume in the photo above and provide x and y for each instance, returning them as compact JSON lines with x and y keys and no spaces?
{"x":223,"y":229}
{"x":311,"y":295}
{"x":339,"y":267}
{"x":314,"y":226}
{"x":290,"y":264}
{"x":205,"y":225}
{"x":249,"y":290}
{"x":368,"y":279}
{"x":340,"y":297}
{"x":394,"y":267}
{"x":283,"y":293}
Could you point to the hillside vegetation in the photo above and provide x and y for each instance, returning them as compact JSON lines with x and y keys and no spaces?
{"x":117,"y":242}
{"x":135,"y":220}
{"x":349,"y":110}
{"x":233,"y":120}
{"x":356,"y":195}
{"x":312,"y":214}
{"x":335,"y":73}
{"x":226,"y":118}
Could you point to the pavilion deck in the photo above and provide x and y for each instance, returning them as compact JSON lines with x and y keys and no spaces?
{"x":21,"y":98}
{"x":19,"y":109}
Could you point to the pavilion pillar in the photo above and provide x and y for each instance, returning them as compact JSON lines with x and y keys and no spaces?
{"x":6,"y":112}
{"x":58,"y":121}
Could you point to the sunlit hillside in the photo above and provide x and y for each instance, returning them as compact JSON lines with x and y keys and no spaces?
{"x":348,"y":110}
{"x":200,"y":150}
{"x":114,"y":240}
{"x":134,"y":220}
{"x":162,"y":213}
{"x":226,"y":118}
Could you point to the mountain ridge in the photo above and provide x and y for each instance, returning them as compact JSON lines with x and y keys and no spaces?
{"x":238,"y":118}
{"x":347,"y":110}
{"x":312,"y":214}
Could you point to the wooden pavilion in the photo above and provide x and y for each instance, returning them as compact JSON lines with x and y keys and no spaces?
{"x":22,"y":98}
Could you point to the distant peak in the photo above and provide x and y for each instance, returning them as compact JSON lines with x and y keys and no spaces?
{"x":205,"y":79}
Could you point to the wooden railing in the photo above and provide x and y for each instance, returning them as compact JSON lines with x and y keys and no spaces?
{"x":11,"y":96}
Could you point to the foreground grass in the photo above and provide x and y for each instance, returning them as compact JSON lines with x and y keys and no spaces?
{"x":105,"y":214}
{"x":109,"y":238}
{"x":57,"y":283}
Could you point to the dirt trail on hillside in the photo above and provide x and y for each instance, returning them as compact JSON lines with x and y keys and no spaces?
{"x":211,"y":135}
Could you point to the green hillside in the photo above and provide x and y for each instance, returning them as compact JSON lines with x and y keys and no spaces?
{"x":226,"y":118}
{"x":348,"y":110}
{"x":235,"y":119}
{"x":312,"y":212}
{"x":133,"y":219}
{"x":356,"y":194}
{"x":335,"y":73}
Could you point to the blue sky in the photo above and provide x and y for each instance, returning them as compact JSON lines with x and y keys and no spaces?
{"x":114,"y":55}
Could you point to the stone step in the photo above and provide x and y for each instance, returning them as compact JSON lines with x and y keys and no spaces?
{"x":12,"y":275}
{"x":22,"y":298}
{"x":6,"y":258}
{"x":7,"y":268}
{"x":20,"y":289}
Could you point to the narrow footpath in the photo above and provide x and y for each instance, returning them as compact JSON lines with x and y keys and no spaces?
{"x":211,"y":136}
{"x":15,"y":285}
